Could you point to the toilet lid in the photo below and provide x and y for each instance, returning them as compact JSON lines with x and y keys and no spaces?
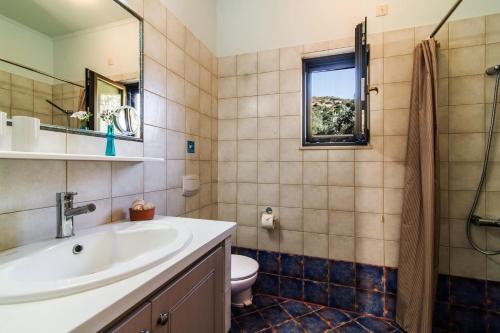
{"x":242,"y":267}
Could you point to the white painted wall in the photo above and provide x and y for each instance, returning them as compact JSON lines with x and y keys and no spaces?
{"x":249,"y":26}
{"x":199,"y":16}
{"x":26,"y":46}
{"x":92,"y":48}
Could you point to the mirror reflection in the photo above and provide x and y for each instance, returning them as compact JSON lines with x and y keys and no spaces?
{"x":80,"y":72}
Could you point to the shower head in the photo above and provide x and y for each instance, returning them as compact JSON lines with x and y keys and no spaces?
{"x":493,"y":70}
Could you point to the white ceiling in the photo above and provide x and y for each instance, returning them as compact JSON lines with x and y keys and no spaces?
{"x":58,"y":17}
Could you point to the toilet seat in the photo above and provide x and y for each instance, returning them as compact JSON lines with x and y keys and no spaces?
{"x":242,"y":267}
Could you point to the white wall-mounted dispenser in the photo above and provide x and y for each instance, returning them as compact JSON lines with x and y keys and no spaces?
{"x":190,"y":185}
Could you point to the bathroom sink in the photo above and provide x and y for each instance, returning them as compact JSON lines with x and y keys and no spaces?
{"x":94,"y":258}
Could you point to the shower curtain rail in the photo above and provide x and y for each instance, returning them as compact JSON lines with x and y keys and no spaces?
{"x":447,"y":16}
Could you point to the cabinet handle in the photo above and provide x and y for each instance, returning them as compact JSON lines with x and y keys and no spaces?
{"x":145,"y":331}
{"x":163,"y":320}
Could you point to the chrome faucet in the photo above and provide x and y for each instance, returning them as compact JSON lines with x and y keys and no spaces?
{"x":66,"y":212}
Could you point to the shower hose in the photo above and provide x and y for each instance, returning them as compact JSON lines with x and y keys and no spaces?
{"x":472,"y":218}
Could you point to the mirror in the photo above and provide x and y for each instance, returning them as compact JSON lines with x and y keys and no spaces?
{"x":78,"y":73}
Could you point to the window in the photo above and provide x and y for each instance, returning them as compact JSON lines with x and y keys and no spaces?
{"x":335,"y":109}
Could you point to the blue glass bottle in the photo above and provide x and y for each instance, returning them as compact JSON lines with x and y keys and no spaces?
{"x":110,"y":141}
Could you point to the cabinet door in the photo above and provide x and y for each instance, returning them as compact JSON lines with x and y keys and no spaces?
{"x":194,"y":303}
{"x":137,"y":322}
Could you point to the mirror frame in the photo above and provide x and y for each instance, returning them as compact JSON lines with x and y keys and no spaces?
{"x":62,"y":129}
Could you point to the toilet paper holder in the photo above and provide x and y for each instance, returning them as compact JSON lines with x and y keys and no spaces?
{"x":267,"y":210}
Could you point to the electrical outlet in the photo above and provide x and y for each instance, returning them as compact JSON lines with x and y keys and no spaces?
{"x":382,"y":10}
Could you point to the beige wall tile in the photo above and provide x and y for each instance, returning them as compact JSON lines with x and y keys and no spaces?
{"x":247,"y":172}
{"x":391,"y":253}
{"x":316,"y":220}
{"x":397,"y":96}
{"x":369,"y":225}
{"x":247,"y":107}
{"x":246,"y":64}
{"x":341,"y":198}
{"x":467,"y":118}
{"x":369,"y":200}
{"x":227,"y":66}
{"x":176,"y":31}
{"x":290,"y":80}
{"x":247,"y":128}
{"x":291,"y":58}
{"x":315,"y":197}
{"x":247,"y":85}
{"x":268,"y":128}
{"x":290,"y":104}
{"x":341,"y":173}
{"x":492,"y":28}
{"x":315,"y":173}
{"x":247,"y":215}
{"x":398,"y":68}
{"x":155,"y":44}
{"x":268,"y":194}
{"x":268,"y":172}
{"x":268,"y":105}
{"x":247,"y":236}
{"x":394,"y":174}
{"x":269,"y":150}
{"x":227,"y":87}
{"x":228,"y":108}
{"x":290,"y":127}
{"x":370,"y":251}
{"x":396,"y":122}
{"x":290,"y":195}
{"x":341,"y":248}
{"x":291,"y":242}
{"x":398,"y":42}
{"x":369,"y":174}
{"x":291,"y":172}
{"x":268,"y":83}
{"x":467,"y":147}
{"x":467,"y":60}
{"x":467,"y":263}
{"x":341,"y":223}
{"x":268,"y":61}
{"x":155,"y":77}
{"x":247,"y":150}
{"x":316,"y":245}
{"x":291,"y":219}
{"x":467,"y":32}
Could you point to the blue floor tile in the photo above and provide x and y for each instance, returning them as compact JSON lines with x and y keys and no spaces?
{"x":391,"y":280}
{"x":252,"y":323}
{"x":351,"y":327}
{"x":296,"y":308}
{"x":289,"y":327}
{"x":267,"y":284}
{"x":262,"y":301}
{"x":334,"y":317}
{"x":275,"y":315}
{"x":493,"y":291}
{"x":375,"y":325}
{"x":313,"y":323}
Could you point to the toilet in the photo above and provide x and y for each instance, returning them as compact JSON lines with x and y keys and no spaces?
{"x":243,"y":276}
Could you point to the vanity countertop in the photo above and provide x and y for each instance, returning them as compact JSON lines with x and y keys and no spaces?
{"x":92,"y":310}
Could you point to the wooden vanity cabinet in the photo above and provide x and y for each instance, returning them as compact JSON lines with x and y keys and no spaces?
{"x":191,"y":303}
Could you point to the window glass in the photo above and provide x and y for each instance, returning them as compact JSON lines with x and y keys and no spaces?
{"x":332,"y":102}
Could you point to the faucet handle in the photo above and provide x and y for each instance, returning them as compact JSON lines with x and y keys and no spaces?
{"x":65,"y":195}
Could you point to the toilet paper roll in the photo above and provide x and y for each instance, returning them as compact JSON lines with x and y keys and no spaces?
{"x":267,"y":221}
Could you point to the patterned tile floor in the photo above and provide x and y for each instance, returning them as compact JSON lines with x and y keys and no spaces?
{"x":272,"y":314}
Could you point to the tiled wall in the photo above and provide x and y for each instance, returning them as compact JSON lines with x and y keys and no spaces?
{"x":345,"y":204}
{"x":180,"y":104}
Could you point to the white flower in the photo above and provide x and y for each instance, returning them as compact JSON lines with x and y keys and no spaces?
{"x":81,"y":115}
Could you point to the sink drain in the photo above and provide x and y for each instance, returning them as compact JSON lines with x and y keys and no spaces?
{"x":77,"y":249}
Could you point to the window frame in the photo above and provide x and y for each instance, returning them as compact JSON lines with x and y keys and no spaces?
{"x":359,"y":60}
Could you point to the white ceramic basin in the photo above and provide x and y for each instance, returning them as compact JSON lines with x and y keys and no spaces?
{"x":110,"y":253}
